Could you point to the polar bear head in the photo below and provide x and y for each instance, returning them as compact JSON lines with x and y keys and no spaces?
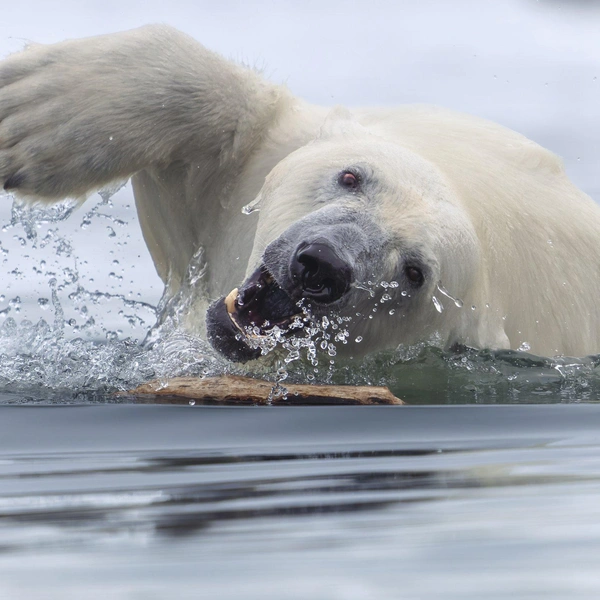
{"x":357,"y":226}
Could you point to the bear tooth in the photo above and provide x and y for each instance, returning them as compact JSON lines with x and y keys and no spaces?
{"x":230,"y":300}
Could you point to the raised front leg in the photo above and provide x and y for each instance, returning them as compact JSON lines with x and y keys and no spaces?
{"x":77,"y":115}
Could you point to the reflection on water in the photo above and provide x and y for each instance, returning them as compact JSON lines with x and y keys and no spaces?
{"x":143,"y":502}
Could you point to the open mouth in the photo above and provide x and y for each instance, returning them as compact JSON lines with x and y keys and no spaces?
{"x":247,"y":315}
{"x":260,"y":305}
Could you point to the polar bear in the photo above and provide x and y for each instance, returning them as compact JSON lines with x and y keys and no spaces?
{"x":475,"y":233}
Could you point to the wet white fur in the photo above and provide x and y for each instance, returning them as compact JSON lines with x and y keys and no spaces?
{"x":512,"y":235}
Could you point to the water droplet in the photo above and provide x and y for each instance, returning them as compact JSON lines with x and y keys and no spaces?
{"x":251,"y":207}
{"x":457,"y":301}
{"x":473,"y":307}
{"x":192,"y":402}
{"x":43,"y":303}
{"x":438,"y":305}
{"x":359,"y":339}
{"x":524,"y":347}
{"x":392,"y":311}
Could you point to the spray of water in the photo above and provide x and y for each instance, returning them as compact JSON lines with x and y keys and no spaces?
{"x":71,"y":334}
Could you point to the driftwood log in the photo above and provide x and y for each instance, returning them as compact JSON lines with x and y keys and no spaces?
{"x":236,"y":390}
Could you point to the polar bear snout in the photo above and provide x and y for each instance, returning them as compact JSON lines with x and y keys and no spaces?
{"x":319,"y":273}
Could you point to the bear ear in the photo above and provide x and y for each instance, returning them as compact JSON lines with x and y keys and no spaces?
{"x":339,"y":121}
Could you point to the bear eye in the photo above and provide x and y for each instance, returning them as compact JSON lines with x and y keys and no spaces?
{"x":414,"y":275}
{"x":348,"y":180}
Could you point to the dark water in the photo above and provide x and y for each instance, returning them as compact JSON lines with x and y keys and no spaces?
{"x":149,"y":502}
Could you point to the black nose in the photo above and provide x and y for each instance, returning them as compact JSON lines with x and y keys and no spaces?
{"x":322,"y":275}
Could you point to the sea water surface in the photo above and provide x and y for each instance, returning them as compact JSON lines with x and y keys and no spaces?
{"x":485,"y":486}
{"x":143,"y":502}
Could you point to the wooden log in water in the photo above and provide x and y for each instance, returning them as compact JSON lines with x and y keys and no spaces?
{"x":237,"y":390}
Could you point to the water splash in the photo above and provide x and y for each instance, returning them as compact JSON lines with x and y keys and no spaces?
{"x":457,"y":302}
{"x":251,"y":207}
{"x":79,"y":355}
{"x":365,"y":287}
{"x":72,"y":351}
{"x":31,"y":215}
{"x":108,"y":191}
{"x":172,"y":310}
{"x":314,"y":337}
